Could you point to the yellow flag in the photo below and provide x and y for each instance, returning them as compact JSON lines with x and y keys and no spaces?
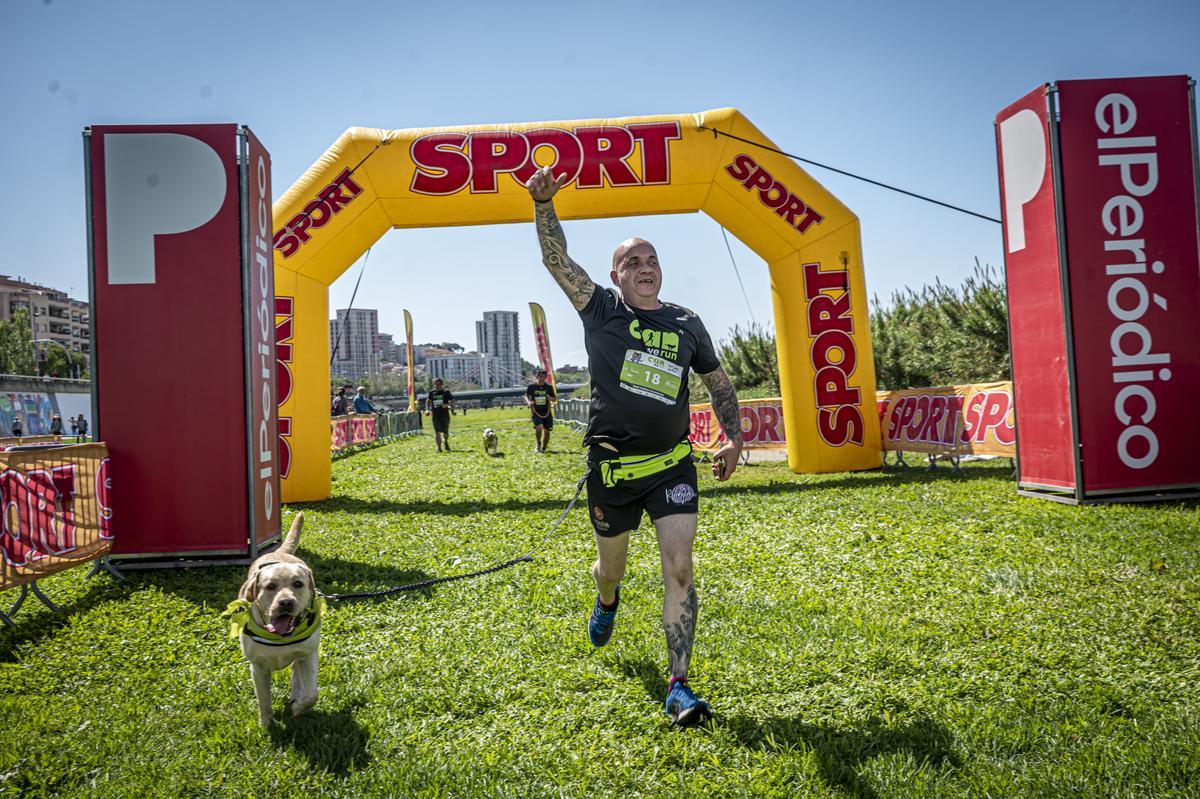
{"x":412,"y":394}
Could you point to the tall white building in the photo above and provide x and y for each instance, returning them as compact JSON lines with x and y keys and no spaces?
{"x":354,"y":342}
{"x":472,"y":367}
{"x":499,"y":336}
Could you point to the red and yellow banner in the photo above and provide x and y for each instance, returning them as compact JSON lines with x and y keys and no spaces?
{"x":541,"y":335}
{"x":25,"y":441}
{"x":762,"y":425}
{"x":351,"y":431}
{"x":57,"y":510}
{"x":949,"y":420}
{"x":412,"y":391}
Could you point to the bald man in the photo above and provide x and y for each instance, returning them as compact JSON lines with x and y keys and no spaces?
{"x":640,"y":353}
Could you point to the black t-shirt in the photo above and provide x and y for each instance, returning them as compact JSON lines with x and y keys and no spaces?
{"x":540,"y":396}
{"x":639,"y":362}
{"x":439,"y":401}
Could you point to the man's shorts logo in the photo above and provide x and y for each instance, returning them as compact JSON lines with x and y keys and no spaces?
{"x":599,"y":522}
{"x":681,"y":494}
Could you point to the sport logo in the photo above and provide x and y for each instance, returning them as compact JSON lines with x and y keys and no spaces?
{"x":330,"y":201}
{"x":830,"y":324}
{"x":773,"y":194}
{"x":681,"y":494}
{"x":283,"y":377}
{"x":589,"y":156}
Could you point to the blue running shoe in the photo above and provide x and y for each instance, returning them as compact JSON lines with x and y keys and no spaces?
{"x":600,"y":624}
{"x":684,"y":708}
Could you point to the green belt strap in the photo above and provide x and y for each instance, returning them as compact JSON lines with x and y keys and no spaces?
{"x":632,"y":468}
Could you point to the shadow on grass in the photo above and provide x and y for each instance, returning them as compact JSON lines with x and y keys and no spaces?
{"x":333,"y":742}
{"x":339,"y":576}
{"x":35,"y":622}
{"x":649,"y":673}
{"x":460,"y":508}
{"x":841,"y":753}
{"x":865,"y":480}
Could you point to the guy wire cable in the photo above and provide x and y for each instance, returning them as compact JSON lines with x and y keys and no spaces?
{"x":354,"y":294}
{"x":715,"y":132}
{"x":739,"y":274}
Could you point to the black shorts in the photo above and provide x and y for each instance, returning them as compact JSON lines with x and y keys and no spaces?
{"x":546,"y":421}
{"x":619,"y":509}
{"x":441,"y":422}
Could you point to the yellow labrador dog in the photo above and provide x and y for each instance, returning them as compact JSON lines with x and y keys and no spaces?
{"x":277,"y":620}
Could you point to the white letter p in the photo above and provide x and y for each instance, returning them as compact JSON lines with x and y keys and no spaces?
{"x":155,"y":183}
{"x":1023,"y":148}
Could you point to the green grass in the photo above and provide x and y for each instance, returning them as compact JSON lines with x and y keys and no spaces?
{"x":881,"y":634}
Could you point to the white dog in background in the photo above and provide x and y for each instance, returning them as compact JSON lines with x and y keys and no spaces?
{"x":277,"y":619}
{"x":491,"y":443}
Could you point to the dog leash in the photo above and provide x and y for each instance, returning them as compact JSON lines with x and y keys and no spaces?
{"x":526,"y":558}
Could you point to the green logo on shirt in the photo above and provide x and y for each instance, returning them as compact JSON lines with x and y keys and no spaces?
{"x":657,"y":342}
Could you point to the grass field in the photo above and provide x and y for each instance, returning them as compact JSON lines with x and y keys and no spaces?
{"x":883,"y":634}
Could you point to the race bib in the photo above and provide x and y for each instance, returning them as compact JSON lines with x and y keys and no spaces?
{"x":540,"y":399}
{"x":651,"y":376}
{"x":437,"y":403}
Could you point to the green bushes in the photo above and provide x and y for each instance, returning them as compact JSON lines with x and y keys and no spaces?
{"x":943,"y":335}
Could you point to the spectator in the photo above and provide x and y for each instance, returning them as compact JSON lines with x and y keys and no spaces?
{"x":341,"y":405}
{"x":361,"y":403}
{"x":16,"y":426}
{"x":56,"y":425}
{"x":74,"y":425}
{"x":83,"y":426}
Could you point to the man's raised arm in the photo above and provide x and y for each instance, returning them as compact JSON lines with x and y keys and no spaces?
{"x":569,"y":275}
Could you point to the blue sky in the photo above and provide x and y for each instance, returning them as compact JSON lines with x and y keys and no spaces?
{"x":905,"y":93}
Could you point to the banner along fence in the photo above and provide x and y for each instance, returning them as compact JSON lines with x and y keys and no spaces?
{"x":972,"y":419}
{"x":945,"y":420}
{"x":949,"y":420}
{"x":762,"y":425}
{"x":57,"y":510}
{"x":355,"y":430}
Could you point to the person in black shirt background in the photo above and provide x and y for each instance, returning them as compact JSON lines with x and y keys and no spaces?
{"x":540,"y":398}
{"x":438,"y":403}
{"x":640,"y":352}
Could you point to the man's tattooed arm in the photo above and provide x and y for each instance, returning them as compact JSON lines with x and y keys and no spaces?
{"x":569,"y":275}
{"x":725,"y":404}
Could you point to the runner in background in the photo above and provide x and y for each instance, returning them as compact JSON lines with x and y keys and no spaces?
{"x":438,"y":404}
{"x":540,"y":398}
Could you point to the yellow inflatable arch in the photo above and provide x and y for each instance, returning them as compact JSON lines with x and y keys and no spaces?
{"x":371,"y":180}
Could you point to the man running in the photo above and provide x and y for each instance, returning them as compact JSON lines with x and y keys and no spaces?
{"x":438,"y":402}
{"x":640,"y":351}
{"x":540,"y":398}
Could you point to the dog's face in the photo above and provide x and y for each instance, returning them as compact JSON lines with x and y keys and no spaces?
{"x":280,"y":593}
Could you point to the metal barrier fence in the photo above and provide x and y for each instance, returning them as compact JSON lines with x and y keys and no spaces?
{"x":574,"y":412}
{"x":58,"y":514}
{"x":397,"y":424}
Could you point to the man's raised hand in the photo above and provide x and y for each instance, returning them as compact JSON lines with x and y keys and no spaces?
{"x":543,"y":186}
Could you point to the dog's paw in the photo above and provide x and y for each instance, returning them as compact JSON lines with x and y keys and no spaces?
{"x":267,"y":720}
{"x":302,"y":705}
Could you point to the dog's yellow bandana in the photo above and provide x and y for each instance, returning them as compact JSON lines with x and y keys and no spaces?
{"x":240,"y":621}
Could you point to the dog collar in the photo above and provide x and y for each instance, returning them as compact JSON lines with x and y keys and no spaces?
{"x":241,"y":622}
